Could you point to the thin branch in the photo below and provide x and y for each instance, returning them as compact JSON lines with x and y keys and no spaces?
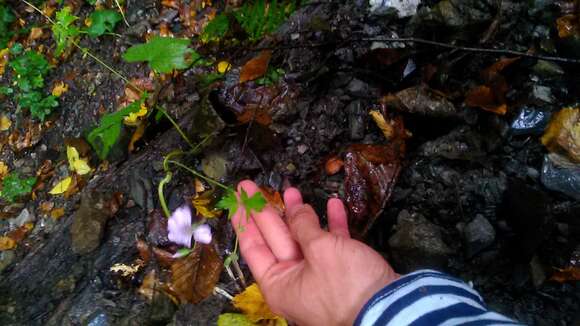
{"x":122,"y":13}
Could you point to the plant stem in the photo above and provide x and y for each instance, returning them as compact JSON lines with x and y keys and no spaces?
{"x":162,"y":184}
{"x":179,"y":130}
{"x":122,"y":13}
{"x":199,"y":175}
{"x":104,"y":64}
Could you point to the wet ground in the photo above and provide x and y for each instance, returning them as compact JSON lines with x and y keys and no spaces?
{"x":466,"y":195}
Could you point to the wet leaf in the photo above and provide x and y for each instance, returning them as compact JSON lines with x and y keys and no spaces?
{"x":35,"y":33}
{"x":568,"y":26}
{"x":193,"y":277}
{"x":103,"y":21}
{"x":333,"y":165}
{"x":59,"y":89}
{"x":421,"y":100}
{"x":61,"y":187}
{"x":386,"y":127}
{"x":57,"y":213}
{"x":3,"y":170}
{"x":569,"y":274}
{"x":204,"y":207}
{"x":273,"y":198}
{"x":252,"y":304}
{"x":563,"y":133}
{"x":371,"y":172}
{"x":230,"y":319}
{"x":5,"y":123}
{"x":152,"y":286}
{"x":485,"y":98}
{"x":76,"y":164}
{"x":6,"y":243}
{"x":137,"y":135}
{"x":256,"y":67}
{"x":20,"y":233}
{"x":164,"y":54}
{"x":492,"y":72}
{"x":134,"y":118}
{"x":259,"y":114}
{"x":223,"y":67}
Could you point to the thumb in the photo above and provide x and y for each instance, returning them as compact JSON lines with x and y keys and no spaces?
{"x":304,"y":225}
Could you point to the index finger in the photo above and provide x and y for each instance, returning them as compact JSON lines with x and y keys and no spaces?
{"x":253,"y":246}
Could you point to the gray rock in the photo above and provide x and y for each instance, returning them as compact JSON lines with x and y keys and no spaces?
{"x":418,"y":244}
{"x":214,"y":165}
{"x":6,"y":258}
{"x":358,"y":87}
{"x":547,"y":69}
{"x":141,"y":188}
{"x":478,"y":235}
{"x":24,"y":217}
{"x":88,"y":226}
{"x":356,"y":120}
{"x":542,"y":94}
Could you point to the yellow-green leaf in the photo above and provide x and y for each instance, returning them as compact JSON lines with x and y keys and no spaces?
{"x":252,"y":304}
{"x":61,"y":187}
{"x":75,"y":163}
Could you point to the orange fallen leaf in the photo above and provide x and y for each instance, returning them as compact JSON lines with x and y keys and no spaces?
{"x":256,"y":67}
{"x":566,"y":275}
{"x":483,"y":97}
{"x":20,"y":233}
{"x":259,"y":114}
{"x":46,"y":207}
{"x":492,"y":72}
{"x":35,"y":33}
{"x":57,"y":213}
{"x":6,"y":243}
{"x":333,"y":165}
{"x":563,"y":133}
{"x":567,"y":26}
{"x":59,"y":89}
{"x":273,"y":198}
{"x":138,"y":134}
{"x":3,"y":170}
{"x":386,"y":126}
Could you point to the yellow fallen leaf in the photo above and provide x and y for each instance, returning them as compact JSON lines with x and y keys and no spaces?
{"x":61,"y":187}
{"x":202,"y":206}
{"x":223,"y":67}
{"x":59,"y":89}
{"x":138,"y":134}
{"x":134,"y":118}
{"x":125,"y":270}
{"x":7,"y":243}
{"x":75,"y":163}
{"x":57,"y":213}
{"x":35,"y":33}
{"x":5,"y":123}
{"x":4,"y":56}
{"x":386,"y":127}
{"x":3,"y":170}
{"x":563,"y":133}
{"x":252,"y":304}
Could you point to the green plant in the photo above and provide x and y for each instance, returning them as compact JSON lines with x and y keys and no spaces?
{"x":63,"y":30}
{"x":103,"y":21}
{"x":29,"y":70}
{"x":103,"y":137}
{"x":259,"y":17}
{"x":216,"y":28}
{"x":13,"y":186}
{"x":272,"y":76}
{"x":164,"y":54}
{"x":6,"y":19}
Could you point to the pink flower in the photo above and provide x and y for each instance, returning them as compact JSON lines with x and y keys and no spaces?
{"x":179,"y":226}
{"x":202,"y":234}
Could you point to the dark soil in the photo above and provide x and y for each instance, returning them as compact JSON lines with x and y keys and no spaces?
{"x":469,"y":199}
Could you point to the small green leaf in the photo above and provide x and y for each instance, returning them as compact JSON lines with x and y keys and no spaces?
{"x":231,"y":319}
{"x":182,"y":252}
{"x":230,"y":259}
{"x":164,"y":54}
{"x":230,"y":202}
{"x":255,"y":203}
{"x":216,"y":28}
{"x":63,"y":29}
{"x":13,"y":186}
{"x":103,"y":21}
{"x":107,"y":133}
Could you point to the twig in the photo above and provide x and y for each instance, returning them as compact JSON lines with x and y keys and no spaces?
{"x":122,"y":13}
{"x":223,"y":292}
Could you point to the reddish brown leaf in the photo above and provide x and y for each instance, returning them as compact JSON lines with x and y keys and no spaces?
{"x":259,"y":114}
{"x":484,"y":97}
{"x":256,"y":67}
{"x":193,"y":277}
{"x":333,"y":165}
{"x":20,"y":233}
{"x":492,"y":72}
{"x":273,"y":198}
{"x":371,"y":172}
{"x":566,"y":275}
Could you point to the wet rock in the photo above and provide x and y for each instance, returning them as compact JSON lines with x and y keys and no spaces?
{"x":530,"y":121}
{"x":357,"y":87}
{"x":404,"y":8}
{"x":537,"y":272}
{"x":157,"y":229}
{"x":356,"y":120}
{"x":542,"y":95}
{"x":141,"y":188}
{"x":425,"y":101}
{"x":6,"y":258}
{"x":456,"y":14}
{"x":460,"y":144}
{"x":559,"y":174}
{"x":203,"y":313}
{"x":24,"y":217}
{"x":88,"y":226}
{"x":547,"y":69}
{"x":162,"y":309}
{"x":417,"y":244}
{"x":214,"y":165}
{"x":478,"y":235}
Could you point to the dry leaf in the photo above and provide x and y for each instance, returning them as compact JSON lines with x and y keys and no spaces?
{"x":61,"y":187}
{"x":256,"y":67}
{"x":3,"y":170}
{"x":259,"y":114}
{"x":252,"y":304}
{"x":333,"y":165}
{"x":57,"y":213}
{"x":193,"y":277}
{"x":46,"y":207}
{"x":125,"y":270}
{"x":4,"y":56}
{"x":6,"y":243}
{"x":485,"y":98}
{"x":203,"y":205}
{"x":563,"y":133}
{"x":5,"y":123}
{"x":20,"y":233}
{"x":566,"y":275}
{"x":273,"y":198}
{"x":567,"y":26}
{"x":138,"y":134}
{"x":75,"y":163}
{"x":59,"y":89}
{"x":35,"y":33}
{"x":151,"y":286}
{"x":386,"y":127}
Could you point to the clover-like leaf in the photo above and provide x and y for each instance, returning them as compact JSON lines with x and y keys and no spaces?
{"x":103,"y":21}
{"x":164,"y":54}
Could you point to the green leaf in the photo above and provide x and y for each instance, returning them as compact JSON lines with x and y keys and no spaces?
{"x":216,"y":28}
{"x":6,"y":19}
{"x":13,"y":186}
{"x":255,"y":203}
{"x":107,"y":133}
{"x":163,"y":54}
{"x":230,"y":202}
{"x":63,"y":29}
{"x":231,"y":319}
{"x":103,"y":21}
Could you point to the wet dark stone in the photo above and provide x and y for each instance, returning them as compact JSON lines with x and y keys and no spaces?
{"x":478,"y":234}
{"x":356,"y":120}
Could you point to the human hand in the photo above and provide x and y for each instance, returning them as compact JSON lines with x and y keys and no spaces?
{"x":308,"y":275}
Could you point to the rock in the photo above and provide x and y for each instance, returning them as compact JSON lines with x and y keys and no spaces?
{"x":356,"y":120}
{"x":478,"y":235}
{"x":547,"y":69}
{"x":214,"y":165}
{"x":460,"y":144}
{"x":404,"y":8}
{"x":88,"y":226}
{"x":537,"y":272}
{"x":301,"y":149}
{"x":559,"y":174}
{"x":358,"y":87}
{"x":24,"y":217}
{"x":542,"y":95}
{"x":530,"y":121}
{"x":417,"y":244}
{"x":427,"y":102}
{"x":162,"y":309}
{"x":6,"y":258}
{"x":203,"y":313}
{"x":141,"y":188}
{"x":456,"y":14}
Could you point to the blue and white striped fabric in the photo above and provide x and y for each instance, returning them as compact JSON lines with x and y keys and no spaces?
{"x":428,"y":297}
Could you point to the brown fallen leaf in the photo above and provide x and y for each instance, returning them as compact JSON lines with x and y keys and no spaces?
{"x":259,"y":114}
{"x":57,"y":213}
{"x":567,"y":26}
{"x":152,"y":287}
{"x":421,"y":100}
{"x":193,"y":277}
{"x":566,"y":275}
{"x":563,"y":133}
{"x":35,"y":33}
{"x":204,"y":205}
{"x":256,"y":67}
{"x":252,"y":304}
{"x":333,"y":165}
{"x":484,"y":97}
{"x":273,"y":198}
{"x":371,"y":172}
{"x":7,"y":243}
{"x":492,"y":72}
{"x":20,"y":233}
{"x":492,"y":95}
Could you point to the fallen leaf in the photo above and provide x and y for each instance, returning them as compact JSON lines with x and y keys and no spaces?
{"x":563,"y":133}
{"x":3,"y":170}
{"x":333,"y":165}
{"x":138,"y":134}
{"x":57,"y":213}
{"x":203,"y":205}
{"x":35,"y":33}
{"x":386,"y":127}
{"x":259,"y":114}
{"x":230,"y":319}
{"x":566,"y":275}
{"x":59,"y":89}
{"x":5,"y":123}
{"x":371,"y":172}
{"x":6,"y":243}
{"x":61,"y":187}
{"x":273,"y":198}
{"x":193,"y":277}
{"x":75,"y":163}
{"x":125,"y":270}
{"x":493,"y":72}
{"x":256,"y":67}
{"x":4,"y":56}
{"x":134,"y":118}
{"x":20,"y":233}
{"x":485,"y":98}
{"x":251,"y":302}
{"x":152,"y":287}
{"x":76,"y":185}
{"x":567,"y":26}
{"x":421,"y":100}
{"x":46,"y":207}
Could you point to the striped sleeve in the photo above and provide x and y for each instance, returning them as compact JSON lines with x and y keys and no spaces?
{"x":428,"y":297}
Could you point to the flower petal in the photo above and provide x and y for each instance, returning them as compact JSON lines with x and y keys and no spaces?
{"x":179,"y":226}
{"x":202,"y":234}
